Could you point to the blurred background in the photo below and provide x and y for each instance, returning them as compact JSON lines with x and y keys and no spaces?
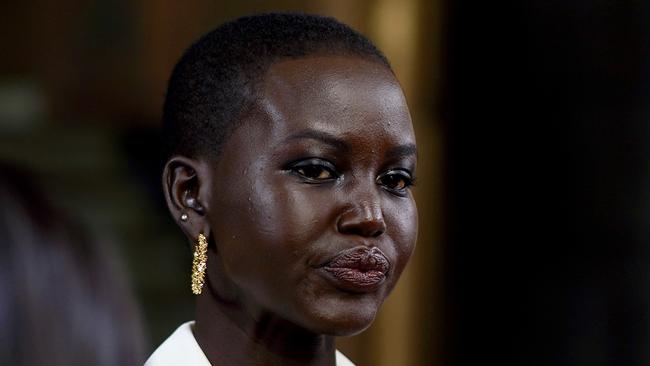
{"x":533,"y":127}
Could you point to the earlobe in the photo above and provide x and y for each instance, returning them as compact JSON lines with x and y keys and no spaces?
{"x":182,"y":181}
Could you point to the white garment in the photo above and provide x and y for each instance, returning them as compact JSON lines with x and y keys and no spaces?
{"x":181,"y":349}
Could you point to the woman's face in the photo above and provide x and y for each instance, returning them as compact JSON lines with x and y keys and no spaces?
{"x":310,"y":205}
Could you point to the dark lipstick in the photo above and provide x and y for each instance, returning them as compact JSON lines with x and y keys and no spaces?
{"x":360,"y":269}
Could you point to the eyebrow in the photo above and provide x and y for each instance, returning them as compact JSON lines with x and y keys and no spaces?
{"x":321,"y":136}
{"x":394,"y":153}
{"x":402,"y":151}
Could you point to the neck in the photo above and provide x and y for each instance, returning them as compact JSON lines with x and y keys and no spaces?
{"x":231,"y":334}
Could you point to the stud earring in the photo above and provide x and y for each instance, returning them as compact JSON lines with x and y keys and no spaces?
{"x":199,"y":264}
{"x":184,"y":217}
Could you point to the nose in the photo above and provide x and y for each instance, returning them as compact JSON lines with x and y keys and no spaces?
{"x":365,"y":219}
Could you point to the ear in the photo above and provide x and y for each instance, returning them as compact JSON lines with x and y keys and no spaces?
{"x":185,"y":183}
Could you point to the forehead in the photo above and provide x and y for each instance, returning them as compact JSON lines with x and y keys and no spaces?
{"x":343,"y":96}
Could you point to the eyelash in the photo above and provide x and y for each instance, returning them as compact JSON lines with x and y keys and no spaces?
{"x":302,"y":168}
{"x":404,"y":175}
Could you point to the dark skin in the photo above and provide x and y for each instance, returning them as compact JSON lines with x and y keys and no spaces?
{"x":321,"y":164}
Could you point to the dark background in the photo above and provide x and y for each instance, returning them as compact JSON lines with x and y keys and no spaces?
{"x":547,"y":118}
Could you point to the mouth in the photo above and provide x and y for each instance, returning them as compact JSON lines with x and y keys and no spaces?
{"x":360,"y":269}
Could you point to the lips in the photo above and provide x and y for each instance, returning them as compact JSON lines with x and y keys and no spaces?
{"x":360,"y":269}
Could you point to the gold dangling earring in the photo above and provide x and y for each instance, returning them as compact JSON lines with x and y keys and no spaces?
{"x":199,"y":265}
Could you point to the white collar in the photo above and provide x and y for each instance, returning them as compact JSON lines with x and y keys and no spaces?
{"x":181,"y":348}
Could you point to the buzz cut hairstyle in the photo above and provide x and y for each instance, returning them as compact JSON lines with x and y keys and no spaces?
{"x":215,"y":80}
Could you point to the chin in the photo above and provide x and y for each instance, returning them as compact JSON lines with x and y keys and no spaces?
{"x":344,"y":316}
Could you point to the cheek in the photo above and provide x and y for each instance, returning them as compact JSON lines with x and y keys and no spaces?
{"x":287,"y":213}
{"x":267,"y":233}
{"x":290,"y":214}
{"x":403,"y":226}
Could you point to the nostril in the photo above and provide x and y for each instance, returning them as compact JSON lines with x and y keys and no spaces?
{"x":353,"y":223}
{"x":377,"y":227}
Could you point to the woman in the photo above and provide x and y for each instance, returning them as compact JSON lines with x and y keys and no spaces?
{"x":290,"y":159}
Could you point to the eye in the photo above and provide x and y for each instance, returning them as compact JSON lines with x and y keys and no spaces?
{"x":314,"y":170}
{"x":396,"y":181}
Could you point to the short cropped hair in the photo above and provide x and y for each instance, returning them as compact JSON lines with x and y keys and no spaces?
{"x":216,"y":78}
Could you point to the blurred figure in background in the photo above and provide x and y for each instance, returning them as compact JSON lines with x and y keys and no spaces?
{"x":62,"y":300}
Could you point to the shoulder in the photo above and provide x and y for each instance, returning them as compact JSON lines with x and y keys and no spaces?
{"x":180,"y":348}
{"x":341,"y":360}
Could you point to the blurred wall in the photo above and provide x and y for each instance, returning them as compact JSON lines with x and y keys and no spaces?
{"x":81,"y":90}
